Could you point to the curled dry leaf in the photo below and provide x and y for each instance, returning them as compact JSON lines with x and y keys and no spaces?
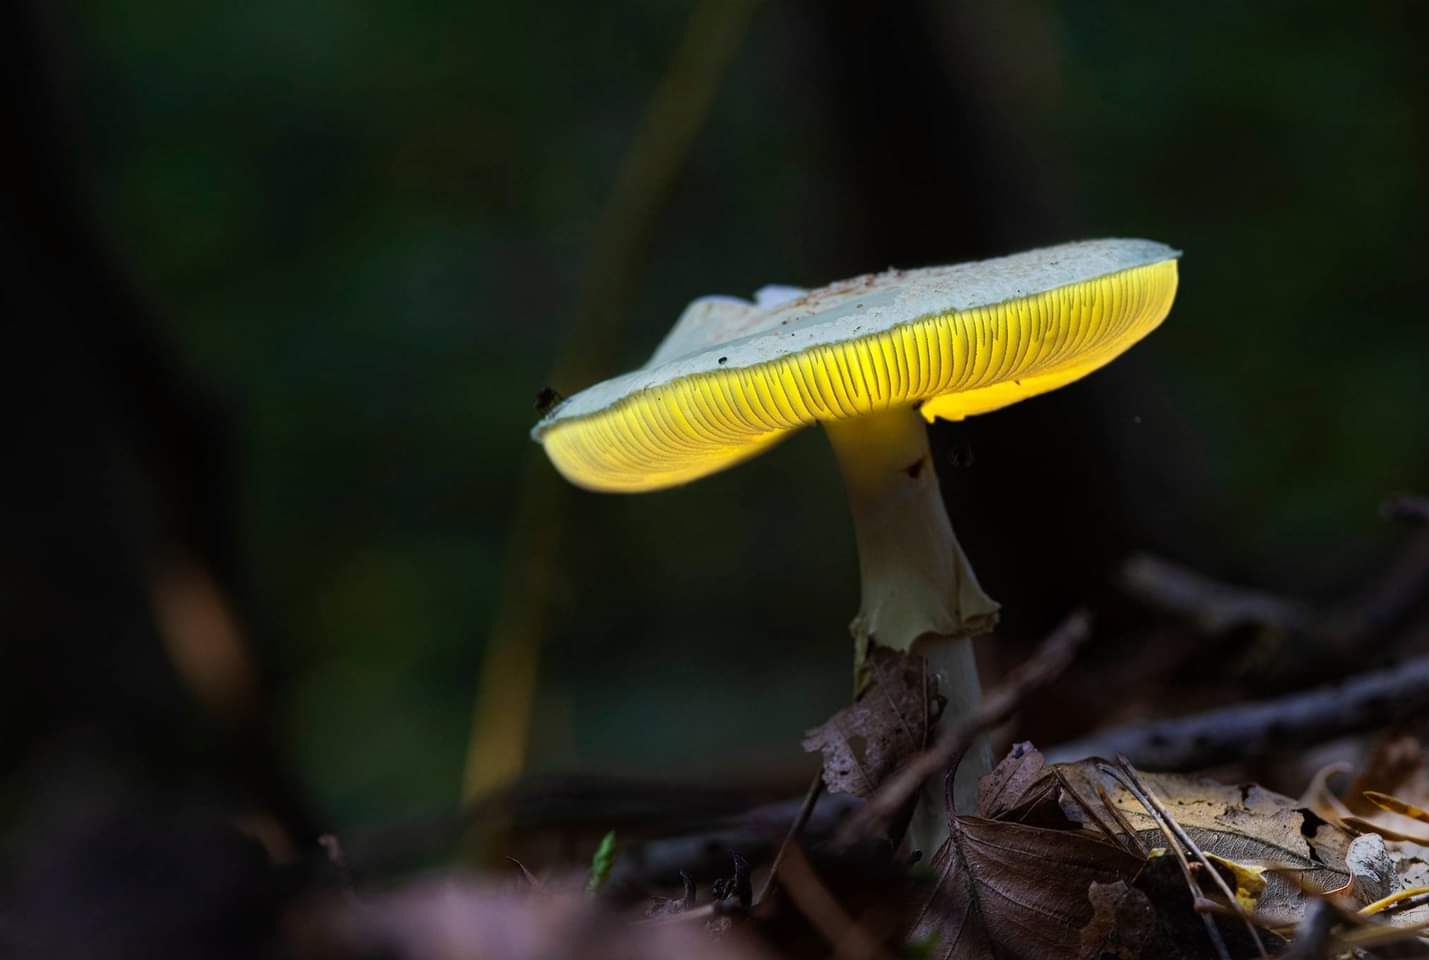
{"x":1015,"y":880}
{"x":1017,"y":787}
{"x":1015,"y":891}
{"x":866,"y":741}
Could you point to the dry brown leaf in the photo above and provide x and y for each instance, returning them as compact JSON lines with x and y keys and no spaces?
{"x":1246,"y":824}
{"x":1015,"y":786}
{"x":1044,"y":879}
{"x":1016,"y":891}
{"x":867,"y":740}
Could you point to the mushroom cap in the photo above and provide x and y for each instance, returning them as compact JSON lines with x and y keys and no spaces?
{"x":733,"y":376}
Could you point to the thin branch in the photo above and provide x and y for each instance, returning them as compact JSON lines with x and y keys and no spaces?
{"x":849,"y":940}
{"x":1197,"y":893}
{"x":1365,"y":702}
{"x":1045,"y":666}
{"x":705,"y":911}
{"x":1312,"y":936}
{"x":806,"y":810}
{"x":1144,"y":794}
{"x":1329,"y":635}
{"x":753,"y":833}
{"x":1095,"y":818}
{"x":1121,"y":821}
{"x":1212,"y":606}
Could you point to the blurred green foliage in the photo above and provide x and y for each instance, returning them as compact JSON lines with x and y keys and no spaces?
{"x":365,"y":223}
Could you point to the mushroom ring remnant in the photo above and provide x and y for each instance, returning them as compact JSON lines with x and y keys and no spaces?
{"x":864,"y":357}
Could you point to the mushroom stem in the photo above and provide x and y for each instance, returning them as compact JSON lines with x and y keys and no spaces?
{"x":918,"y":591}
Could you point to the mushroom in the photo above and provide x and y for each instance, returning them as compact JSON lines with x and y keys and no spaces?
{"x":870,"y":359}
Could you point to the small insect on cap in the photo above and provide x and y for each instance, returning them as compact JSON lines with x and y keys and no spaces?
{"x":733,"y":377}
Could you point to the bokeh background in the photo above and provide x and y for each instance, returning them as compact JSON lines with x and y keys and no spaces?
{"x":285,"y":279}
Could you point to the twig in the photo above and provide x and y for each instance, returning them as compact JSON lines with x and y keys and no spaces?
{"x":1121,"y":821}
{"x":1197,"y":894}
{"x":806,"y":810}
{"x":1145,"y":796}
{"x":1046,"y":665}
{"x":1381,"y":934}
{"x":1212,"y":606}
{"x":732,"y":897}
{"x":1365,"y":702}
{"x":1324,"y":637}
{"x":1092,"y":815}
{"x":705,"y":911}
{"x":755,"y":833}
{"x":1412,"y":902}
{"x":1312,"y":936}
{"x":531,"y":879}
{"x":849,"y":940}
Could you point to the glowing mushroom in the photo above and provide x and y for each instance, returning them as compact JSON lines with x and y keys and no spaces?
{"x":864,"y":357}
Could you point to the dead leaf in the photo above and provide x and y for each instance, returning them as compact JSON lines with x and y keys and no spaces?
{"x":1244,"y":823}
{"x":1016,"y":891}
{"x":1015,"y":786}
{"x":866,"y":741}
{"x":1123,"y":922}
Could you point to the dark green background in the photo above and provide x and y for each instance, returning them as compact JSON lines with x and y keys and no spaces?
{"x":364,"y":225}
